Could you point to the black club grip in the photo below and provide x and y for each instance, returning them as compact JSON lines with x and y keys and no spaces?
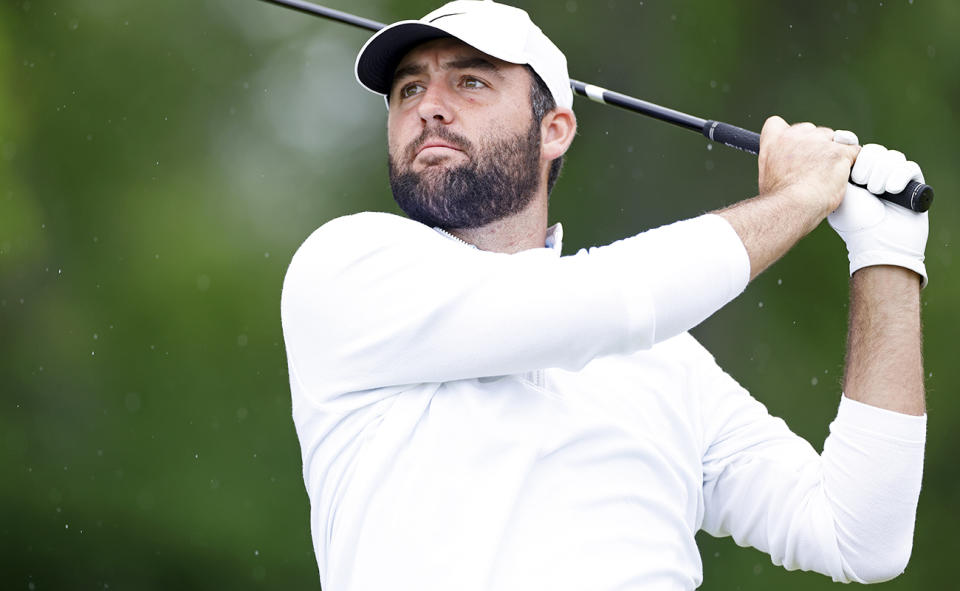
{"x":733,"y":136}
{"x":916,"y":196}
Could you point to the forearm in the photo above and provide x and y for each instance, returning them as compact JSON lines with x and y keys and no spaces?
{"x":884,"y":365}
{"x":769,"y":226}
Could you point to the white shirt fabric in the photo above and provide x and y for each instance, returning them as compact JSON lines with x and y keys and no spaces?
{"x":473,"y":420}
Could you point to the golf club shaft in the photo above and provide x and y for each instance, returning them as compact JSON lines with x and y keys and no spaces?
{"x":916,"y":196}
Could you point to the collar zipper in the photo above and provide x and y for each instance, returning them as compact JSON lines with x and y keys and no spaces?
{"x":454,"y":238}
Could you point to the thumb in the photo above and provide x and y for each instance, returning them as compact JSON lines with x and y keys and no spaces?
{"x":858,"y":210}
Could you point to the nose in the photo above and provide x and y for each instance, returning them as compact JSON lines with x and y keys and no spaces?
{"x":434,"y":105}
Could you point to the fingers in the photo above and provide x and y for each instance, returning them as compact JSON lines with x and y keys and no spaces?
{"x":883,"y":170}
{"x":887,"y":162}
{"x":878,"y":169}
{"x":903,"y":174}
{"x":773,"y":127}
{"x":867,"y":160}
{"x":847,"y":138}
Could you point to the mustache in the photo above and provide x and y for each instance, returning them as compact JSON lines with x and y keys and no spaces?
{"x":438,"y":133}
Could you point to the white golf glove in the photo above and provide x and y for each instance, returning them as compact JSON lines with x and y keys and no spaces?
{"x":876,"y":231}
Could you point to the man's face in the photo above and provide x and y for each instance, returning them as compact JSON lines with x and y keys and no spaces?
{"x":464,"y":149}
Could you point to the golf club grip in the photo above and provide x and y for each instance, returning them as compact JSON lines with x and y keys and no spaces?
{"x":916,"y":196}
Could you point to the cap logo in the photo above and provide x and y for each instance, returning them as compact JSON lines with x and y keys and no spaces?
{"x":436,"y":18}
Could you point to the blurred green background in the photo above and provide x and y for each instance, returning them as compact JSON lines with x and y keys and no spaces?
{"x":161,"y":162}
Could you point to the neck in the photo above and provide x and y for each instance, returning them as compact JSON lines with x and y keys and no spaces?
{"x":521,"y":231}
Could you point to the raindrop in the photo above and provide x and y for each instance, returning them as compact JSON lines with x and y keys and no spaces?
{"x":759,"y":304}
{"x":709,"y":147}
{"x":814,"y":381}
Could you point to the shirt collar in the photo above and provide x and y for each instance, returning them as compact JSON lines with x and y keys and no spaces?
{"x":554,"y":240}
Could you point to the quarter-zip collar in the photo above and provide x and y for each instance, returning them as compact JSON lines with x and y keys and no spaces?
{"x":554,"y":240}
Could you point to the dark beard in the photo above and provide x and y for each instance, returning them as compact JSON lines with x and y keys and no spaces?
{"x":500,"y":180}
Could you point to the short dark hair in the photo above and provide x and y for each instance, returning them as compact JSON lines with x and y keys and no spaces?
{"x":542,"y":102}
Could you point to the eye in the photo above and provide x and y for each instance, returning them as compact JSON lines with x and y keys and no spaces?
{"x":473,"y":83}
{"x":410,"y":90}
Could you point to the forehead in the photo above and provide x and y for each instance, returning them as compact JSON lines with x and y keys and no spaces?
{"x":448,"y":50}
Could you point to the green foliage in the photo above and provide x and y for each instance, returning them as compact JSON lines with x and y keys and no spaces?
{"x":160,"y":163}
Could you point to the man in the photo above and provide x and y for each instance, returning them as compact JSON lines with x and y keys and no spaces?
{"x":478,"y":412}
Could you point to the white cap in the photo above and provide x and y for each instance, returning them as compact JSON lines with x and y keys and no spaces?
{"x":498,"y":30}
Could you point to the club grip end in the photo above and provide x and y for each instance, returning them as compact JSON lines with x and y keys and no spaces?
{"x":916,"y":196}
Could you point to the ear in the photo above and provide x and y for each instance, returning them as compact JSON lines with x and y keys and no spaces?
{"x":557,"y":130}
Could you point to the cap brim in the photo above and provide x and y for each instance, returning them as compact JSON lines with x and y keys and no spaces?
{"x":380,"y":56}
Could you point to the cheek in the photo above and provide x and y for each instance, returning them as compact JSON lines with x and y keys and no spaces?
{"x":394,"y":140}
{"x":400,"y":131}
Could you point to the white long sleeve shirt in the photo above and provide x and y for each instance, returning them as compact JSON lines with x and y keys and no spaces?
{"x":473,"y":420}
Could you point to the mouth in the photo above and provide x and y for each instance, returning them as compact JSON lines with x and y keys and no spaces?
{"x":434,"y":147}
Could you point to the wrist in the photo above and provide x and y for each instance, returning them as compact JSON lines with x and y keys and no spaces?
{"x":887,"y":280}
{"x":795,"y":201}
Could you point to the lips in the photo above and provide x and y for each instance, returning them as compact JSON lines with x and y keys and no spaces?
{"x":435,"y":144}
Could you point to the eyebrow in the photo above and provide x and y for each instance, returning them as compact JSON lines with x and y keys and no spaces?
{"x":463,"y":63}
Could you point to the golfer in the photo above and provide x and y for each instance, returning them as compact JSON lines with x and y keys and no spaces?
{"x":477,"y":411}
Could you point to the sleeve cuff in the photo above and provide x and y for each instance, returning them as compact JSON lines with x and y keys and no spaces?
{"x":697,"y":266}
{"x":882,"y":422}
